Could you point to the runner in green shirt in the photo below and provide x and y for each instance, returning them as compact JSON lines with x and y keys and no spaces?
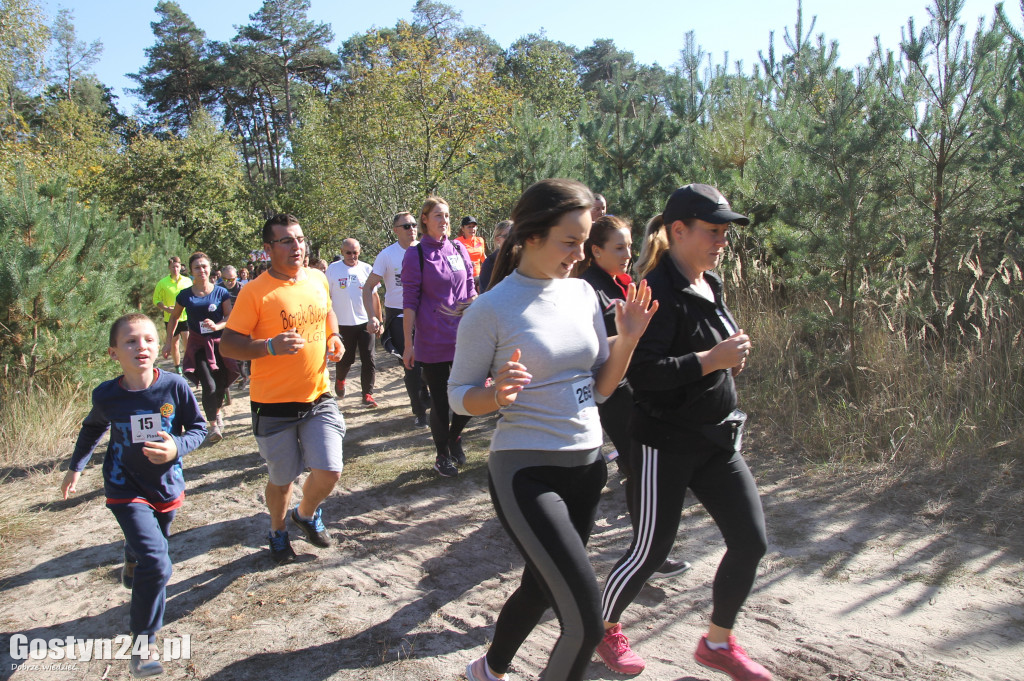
{"x":163,"y":297}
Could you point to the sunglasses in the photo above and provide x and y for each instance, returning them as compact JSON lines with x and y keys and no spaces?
{"x":409,"y":225}
{"x":350,"y":252}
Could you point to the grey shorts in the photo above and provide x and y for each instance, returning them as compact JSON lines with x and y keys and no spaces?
{"x":291,"y":444}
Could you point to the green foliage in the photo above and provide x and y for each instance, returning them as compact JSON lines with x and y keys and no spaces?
{"x":176,"y":81}
{"x":938,"y":90}
{"x":543,"y":72}
{"x":23,"y":38}
{"x":835,"y":135}
{"x":71,"y":57}
{"x":626,"y":145}
{"x":194,"y":182}
{"x":256,"y":78}
{"x":66,"y":272}
{"x":535,"y":148}
{"x":415,"y":114}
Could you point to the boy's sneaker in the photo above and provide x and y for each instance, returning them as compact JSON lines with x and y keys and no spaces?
{"x":671,"y":568}
{"x":314,"y":528}
{"x":339,"y":388}
{"x":732,"y":660}
{"x":458,"y":456}
{"x":281,"y":548}
{"x":128,"y":573}
{"x":445,"y":468}
{"x":616,"y":654}
{"x":368,"y":401}
{"x":477,"y":671}
{"x":140,"y":668}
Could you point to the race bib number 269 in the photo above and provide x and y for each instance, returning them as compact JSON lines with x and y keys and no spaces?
{"x":583,"y":391}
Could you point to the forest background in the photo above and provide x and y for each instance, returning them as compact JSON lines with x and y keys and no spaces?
{"x":880,"y":277}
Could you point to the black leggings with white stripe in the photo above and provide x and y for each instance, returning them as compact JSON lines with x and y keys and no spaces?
{"x":721,"y":482}
{"x":547,"y":502}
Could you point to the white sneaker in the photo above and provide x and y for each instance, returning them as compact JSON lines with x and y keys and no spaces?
{"x":214,"y":436}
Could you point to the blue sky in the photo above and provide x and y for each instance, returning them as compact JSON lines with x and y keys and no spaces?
{"x":652,"y":29}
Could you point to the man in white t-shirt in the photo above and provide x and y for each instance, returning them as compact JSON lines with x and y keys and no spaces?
{"x":348,"y":278}
{"x":387,"y":268}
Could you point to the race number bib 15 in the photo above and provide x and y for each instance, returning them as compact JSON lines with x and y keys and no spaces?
{"x":145,"y":428}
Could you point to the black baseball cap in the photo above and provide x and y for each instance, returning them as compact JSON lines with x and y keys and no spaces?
{"x":701,"y":201}
{"x":468,"y":220}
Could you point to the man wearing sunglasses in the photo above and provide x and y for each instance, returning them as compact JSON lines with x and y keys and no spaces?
{"x":348,"y":278}
{"x":387,"y":268}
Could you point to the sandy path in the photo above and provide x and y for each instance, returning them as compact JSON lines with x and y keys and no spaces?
{"x":857,"y":585}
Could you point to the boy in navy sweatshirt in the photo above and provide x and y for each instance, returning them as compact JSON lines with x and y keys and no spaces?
{"x":154,"y":420}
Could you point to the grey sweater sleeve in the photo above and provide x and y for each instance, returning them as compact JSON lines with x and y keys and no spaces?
{"x":475,"y":343}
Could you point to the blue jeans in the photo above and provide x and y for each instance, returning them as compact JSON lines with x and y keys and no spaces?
{"x":145,"y":542}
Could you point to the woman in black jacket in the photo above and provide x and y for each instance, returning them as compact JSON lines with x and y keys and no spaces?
{"x":687,"y":431}
{"x":605,"y":265}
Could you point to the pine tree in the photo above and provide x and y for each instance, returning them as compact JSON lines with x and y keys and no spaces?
{"x":937,"y":88}
{"x":66,"y":272}
{"x":175,"y":82}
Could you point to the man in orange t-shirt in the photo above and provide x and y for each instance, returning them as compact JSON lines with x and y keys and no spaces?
{"x":476,"y":246}
{"x":283,"y":322}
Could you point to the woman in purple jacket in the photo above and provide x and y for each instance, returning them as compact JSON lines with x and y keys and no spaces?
{"x":437,"y":281}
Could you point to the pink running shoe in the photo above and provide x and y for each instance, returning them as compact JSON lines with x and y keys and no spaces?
{"x":732,"y":661}
{"x":616,"y":654}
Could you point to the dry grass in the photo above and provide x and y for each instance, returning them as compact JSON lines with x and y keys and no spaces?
{"x":942,"y":424}
{"x":901,"y":402}
{"x":37,"y":431}
{"x":37,"y":428}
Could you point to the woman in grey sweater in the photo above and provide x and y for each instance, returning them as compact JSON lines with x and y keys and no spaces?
{"x":541,"y":335}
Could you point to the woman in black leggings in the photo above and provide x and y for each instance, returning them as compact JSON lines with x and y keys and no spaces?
{"x":437,"y":282}
{"x":208,"y":307}
{"x":605,"y":265}
{"x":687,"y":430}
{"x":541,"y":335}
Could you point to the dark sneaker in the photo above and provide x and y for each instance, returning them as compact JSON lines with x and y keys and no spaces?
{"x":455,"y":447}
{"x":616,"y":654}
{"x":140,"y":668}
{"x":368,"y":401}
{"x":339,"y":388}
{"x":671,"y":568}
{"x":128,"y":573}
{"x":314,"y":529}
{"x":445,"y":468}
{"x":421,"y":421}
{"x":281,"y":548}
{"x":732,"y":660}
